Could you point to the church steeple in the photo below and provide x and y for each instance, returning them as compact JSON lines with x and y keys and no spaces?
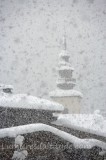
{"x":65,"y":80}
{"x":65,"y":93}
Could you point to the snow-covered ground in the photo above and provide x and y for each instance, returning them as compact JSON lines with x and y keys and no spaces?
{"x":77,"y":142}
{"x":28,"y":101}
{"x":91,"y":123}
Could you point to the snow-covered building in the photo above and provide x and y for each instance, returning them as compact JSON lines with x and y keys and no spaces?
{"x":21,"y":109}
{"x":65,"y":93}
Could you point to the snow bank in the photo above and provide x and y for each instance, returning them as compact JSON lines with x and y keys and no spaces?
{"x":77,"y":142}
{"x":28,"y":101}
{"x":65,"y":93}
{"x":91,"y":123}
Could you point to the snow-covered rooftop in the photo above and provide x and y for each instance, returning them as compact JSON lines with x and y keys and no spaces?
{"x":91,"y":123}
{"x":28,"y":102}
{"x":63,"y":67}
{"x":63,"y":63}
{"x":63,"y":53}
{"x":77,"y":142}
{"x":65,"y":93}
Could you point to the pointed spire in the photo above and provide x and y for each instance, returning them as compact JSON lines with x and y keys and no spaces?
{"x":64,"y":54}
{"x":64,"y":42}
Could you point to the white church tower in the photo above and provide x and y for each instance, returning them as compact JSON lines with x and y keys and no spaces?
{"x":65,"y":93}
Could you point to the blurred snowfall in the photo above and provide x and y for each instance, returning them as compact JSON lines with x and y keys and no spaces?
{"x":30,"y":42}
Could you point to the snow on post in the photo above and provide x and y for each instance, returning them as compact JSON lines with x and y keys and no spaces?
{"x":6,"y":89}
